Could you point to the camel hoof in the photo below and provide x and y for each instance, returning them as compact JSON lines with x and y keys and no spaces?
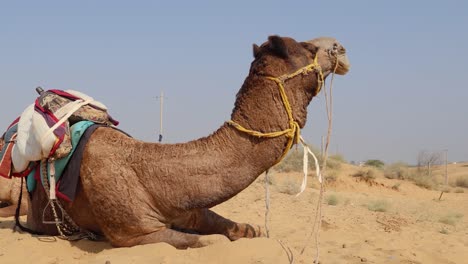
{"x":207,"y":240}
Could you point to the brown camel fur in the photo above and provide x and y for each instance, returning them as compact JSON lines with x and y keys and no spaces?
{"x":9,"y":194}
{"x":136,"y":193}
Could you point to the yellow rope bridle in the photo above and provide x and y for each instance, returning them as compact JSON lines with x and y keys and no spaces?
{"x":293,"y":133}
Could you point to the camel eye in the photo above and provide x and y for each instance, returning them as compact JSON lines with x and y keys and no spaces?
{"x":335,"y":46}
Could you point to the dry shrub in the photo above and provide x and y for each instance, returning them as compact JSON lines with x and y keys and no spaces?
{"x":462,"y":181}
{"x":459,"y":190}
{"x":331,"y":176}
{"x":423,"y":181}
{"x":397,"y":170}
{"x":293,"y":161}
{"x":367,"y":175}
{"x":451,"y":218}
{"x":289,"y":186}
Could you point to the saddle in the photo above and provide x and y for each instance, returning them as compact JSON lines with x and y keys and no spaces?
{"x":43,"y":129}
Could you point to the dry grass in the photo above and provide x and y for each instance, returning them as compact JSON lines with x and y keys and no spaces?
{"x":293,"y":161}
{"x":462,"y":181}
{"x":289,"y":186}
{"x":397,"y":170}
{"x":368,"y":174}
{"x":451,"y":218}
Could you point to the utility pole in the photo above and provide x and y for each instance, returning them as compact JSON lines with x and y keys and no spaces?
{"x":161,"y":104}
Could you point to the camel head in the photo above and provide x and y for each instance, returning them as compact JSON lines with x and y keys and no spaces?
{"x":282,"y":55}
{"x":333,"y":51}
{"x":296,"y":65}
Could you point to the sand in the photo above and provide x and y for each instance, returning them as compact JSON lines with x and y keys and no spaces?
{"x":413,"y":227}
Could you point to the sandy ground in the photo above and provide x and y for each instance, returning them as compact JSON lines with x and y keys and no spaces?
{"x":415,"y":227}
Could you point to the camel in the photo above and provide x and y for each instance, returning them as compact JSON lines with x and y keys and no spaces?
{"x":9,"y":196}
{"x":134,"y":192}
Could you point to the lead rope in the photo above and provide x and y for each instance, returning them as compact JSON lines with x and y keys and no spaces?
{"x":318,"y":217}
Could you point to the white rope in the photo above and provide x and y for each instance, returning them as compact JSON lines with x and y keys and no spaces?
{"x":75,"y":106}
{"x":52,"y":195}
{"x":305,"y":161}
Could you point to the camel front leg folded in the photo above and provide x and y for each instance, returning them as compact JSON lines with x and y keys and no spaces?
{"x":175,"y":238}
{"x":205,"y":221}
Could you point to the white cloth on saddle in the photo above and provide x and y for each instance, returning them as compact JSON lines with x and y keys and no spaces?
{"x":86,"y":97}
{"x":35,"y":138}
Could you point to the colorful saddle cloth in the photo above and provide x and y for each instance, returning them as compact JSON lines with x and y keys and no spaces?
{"x":67,"y":169}
{"x":43,"y":132}
{"x":65,"y":188}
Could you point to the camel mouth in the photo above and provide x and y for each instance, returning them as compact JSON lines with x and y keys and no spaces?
{"x":343,"y":64}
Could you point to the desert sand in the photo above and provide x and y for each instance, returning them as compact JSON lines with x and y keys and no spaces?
{"x":413,"y":226}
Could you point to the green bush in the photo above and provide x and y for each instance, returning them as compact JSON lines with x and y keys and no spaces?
{"x":378,"y":206}
{"x":375,"y":163}
{"x":331,"y":199}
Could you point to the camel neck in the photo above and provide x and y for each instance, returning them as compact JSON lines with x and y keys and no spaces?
{"x":215,"y":168}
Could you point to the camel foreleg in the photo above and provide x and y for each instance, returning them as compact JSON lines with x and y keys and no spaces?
{"x":175,"y":238}
{"x":206,"y":222}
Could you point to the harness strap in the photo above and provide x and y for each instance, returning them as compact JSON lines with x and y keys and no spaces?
{"x":293,"y":133}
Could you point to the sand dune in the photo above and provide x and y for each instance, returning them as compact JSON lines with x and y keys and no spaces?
{"x":415,"y":227}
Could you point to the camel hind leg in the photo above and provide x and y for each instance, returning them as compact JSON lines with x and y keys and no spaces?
{"x":206,"y":222}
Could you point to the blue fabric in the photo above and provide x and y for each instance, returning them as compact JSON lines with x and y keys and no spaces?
{"x":76,"y":131}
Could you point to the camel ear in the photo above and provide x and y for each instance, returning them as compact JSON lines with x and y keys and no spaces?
{"x":256,"y":50}
{"x":310,"y":47}
{"x":278,"y":46}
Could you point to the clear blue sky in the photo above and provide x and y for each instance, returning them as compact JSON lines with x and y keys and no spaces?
{"x":406,"y":91}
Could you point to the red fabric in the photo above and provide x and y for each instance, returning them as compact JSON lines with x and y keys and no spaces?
{"x":6,"y":162}
{"x":14,"y":122}
{"x":64,"y":94}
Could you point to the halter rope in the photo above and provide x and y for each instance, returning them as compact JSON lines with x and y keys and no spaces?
{"x":293,"y":133}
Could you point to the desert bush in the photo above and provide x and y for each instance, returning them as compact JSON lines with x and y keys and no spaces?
{"x":459,"y":190}
{"x":424,"y":181}
{"x":331,"y":199}
{"x":289,"y":186}
{"x":396,"y":186}
{"x":375,"y":163}
{"x":331,"y":176}
{"x":451,"y":218}
{"x":397,"y":170}
{"x":365,"y":174}
{"x":462,"y":181}
{"x":293,"y":161}
{"x":444,"y":231}
{"x":378,"y":206}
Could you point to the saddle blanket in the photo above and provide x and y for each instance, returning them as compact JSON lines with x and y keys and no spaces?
{"x":67,"y":169}
{"x":66,"y":172}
